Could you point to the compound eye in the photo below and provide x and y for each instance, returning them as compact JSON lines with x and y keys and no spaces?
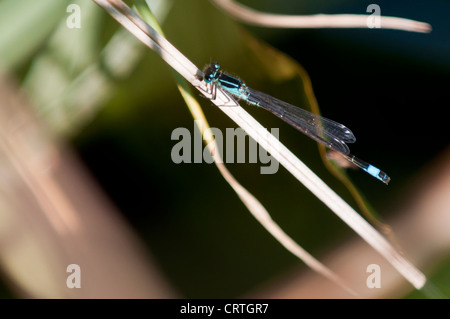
{"x":209,"y":76}
{"x":216,"y":66}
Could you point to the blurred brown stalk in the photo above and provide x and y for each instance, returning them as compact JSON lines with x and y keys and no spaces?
{"x":52,"y":215}
{"x":421,"y":226}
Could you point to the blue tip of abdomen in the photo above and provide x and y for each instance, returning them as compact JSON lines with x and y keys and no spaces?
{"x":377,"y":173}
{"x":372,"y":170}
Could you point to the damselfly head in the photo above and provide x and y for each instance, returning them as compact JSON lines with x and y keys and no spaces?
{"x":211,"y":71}
{"x":209,"y":75}
{"x":215,"y":66}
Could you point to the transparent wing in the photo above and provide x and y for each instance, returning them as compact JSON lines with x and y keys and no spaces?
{"x":325,"y":131}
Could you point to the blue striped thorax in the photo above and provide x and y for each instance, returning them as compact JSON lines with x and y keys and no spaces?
{"x":227,"y":82}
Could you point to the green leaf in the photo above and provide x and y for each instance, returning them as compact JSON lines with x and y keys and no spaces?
{"x":25,"y":24}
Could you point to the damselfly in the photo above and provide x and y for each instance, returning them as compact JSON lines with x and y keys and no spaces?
{"x":333,"y":135}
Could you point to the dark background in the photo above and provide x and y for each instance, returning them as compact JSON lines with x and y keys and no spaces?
{"x":390,"y":87}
